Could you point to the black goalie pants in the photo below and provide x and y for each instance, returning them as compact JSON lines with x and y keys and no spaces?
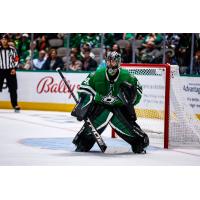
{"x":122,"y":121}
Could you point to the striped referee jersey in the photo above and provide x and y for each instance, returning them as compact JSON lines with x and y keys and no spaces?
{"x":8,"y":58}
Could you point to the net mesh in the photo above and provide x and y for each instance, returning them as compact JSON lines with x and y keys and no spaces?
{"x":184,"y":126}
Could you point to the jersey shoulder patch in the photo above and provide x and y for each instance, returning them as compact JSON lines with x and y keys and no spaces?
{"x":88,"y":78}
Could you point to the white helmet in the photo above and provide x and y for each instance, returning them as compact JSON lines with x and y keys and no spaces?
{"x":113,"y":67}
{"x":114,"y":56}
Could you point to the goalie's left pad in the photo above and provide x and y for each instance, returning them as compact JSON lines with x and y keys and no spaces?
{"x":83,"y":107}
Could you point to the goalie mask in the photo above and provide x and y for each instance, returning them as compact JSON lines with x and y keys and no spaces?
{"x":113,"y":60}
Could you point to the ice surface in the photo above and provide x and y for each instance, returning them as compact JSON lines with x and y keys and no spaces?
{"x":44,"y":138}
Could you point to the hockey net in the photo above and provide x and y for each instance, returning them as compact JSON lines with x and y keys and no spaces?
{"x":163,"y":112}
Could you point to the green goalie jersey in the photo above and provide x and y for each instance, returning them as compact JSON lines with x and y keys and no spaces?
{"x":98,"y":85}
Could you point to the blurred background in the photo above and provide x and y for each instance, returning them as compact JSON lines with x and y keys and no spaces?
{"x":86,"y":51}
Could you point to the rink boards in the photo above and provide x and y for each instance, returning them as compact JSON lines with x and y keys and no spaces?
{"x":45,"y":90}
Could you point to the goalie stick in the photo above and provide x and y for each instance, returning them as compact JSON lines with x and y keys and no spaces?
{"x":88,"y":123}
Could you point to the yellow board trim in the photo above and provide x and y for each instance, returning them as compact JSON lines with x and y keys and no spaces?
{"x":198,"y":116}
{"x":153,"y":114}
{"x":39,"y":106}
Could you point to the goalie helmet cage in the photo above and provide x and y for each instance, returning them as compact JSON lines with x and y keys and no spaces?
{"x":180,"y":125}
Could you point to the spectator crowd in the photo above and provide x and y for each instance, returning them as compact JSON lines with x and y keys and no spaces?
{"x":86,"y":51}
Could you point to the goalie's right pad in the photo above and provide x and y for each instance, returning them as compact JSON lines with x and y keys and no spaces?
{"x":83,"y":107}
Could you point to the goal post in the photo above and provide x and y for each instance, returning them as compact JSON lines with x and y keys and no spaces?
{"x":163,"y":111}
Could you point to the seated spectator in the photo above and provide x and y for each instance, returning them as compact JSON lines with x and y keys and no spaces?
{"x":84,"y":48}
{"x":76,"y":51}
{"x":39,"y":62}
{"x":89,"y":63}
{"x":32,"y":53}
{"x":53,"y":61}
{"x":75,"y":64}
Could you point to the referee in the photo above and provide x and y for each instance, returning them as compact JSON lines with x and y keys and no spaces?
{"x":8,"y":65}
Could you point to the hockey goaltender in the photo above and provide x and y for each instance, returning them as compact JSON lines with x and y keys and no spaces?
{"x":108,"y":96}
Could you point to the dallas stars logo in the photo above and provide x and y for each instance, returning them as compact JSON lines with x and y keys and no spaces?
{"x":109,"y":99}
